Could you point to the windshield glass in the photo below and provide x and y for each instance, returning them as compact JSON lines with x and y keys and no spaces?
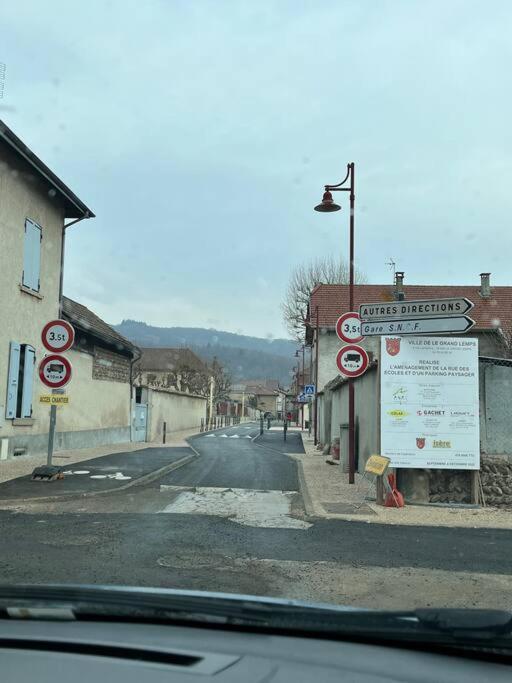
{"x":255,"y":298}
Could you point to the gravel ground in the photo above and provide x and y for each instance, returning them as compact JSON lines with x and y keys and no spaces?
{"x":327,"y":484}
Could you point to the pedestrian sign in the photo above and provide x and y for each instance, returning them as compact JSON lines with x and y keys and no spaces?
{"x":302,"y":398}
{"x":309,"y":389}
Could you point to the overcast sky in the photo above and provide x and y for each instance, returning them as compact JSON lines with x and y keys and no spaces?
{"x":201,"y":133}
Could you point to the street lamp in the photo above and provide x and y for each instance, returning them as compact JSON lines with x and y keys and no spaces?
{"x":327,"y":205}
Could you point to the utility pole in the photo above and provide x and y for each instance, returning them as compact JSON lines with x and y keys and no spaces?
{"x":243,"y":406}
{"x":210,"y":411}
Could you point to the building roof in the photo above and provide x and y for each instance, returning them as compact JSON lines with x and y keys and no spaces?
{"x":163,"y":359}
{"x":85,"y":320}
{"x":74,"y":207}
{"x":333,"y":300}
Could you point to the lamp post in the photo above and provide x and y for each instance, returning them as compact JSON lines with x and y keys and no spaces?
{"x":327,"y":205}
{"x":303,"y":347}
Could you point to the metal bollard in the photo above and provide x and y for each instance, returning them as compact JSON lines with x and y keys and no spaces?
{"x":285,"y":429}
{"x":164,"y":432}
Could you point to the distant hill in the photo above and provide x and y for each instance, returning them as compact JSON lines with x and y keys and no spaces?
{"x":243,"y":356}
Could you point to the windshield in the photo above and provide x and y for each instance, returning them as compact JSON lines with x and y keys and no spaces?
{"x":255,"y":295}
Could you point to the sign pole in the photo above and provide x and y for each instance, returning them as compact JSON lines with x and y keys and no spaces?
{"x":51,"y":433}
{"x":351,"y":388}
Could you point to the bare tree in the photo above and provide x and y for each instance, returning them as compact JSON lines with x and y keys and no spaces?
{"x":303,"y":278}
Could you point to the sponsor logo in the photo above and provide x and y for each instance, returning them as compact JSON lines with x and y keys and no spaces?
{"x":398,"y":414}
{"x":393,"y":346}
{"x":431,"y":413}
{"x":400,"y":394}
{"x":420,"y":443}
{"x":441,"y":444}
{"x":461,"y":413}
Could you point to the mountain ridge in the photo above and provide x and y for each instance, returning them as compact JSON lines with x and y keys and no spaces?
{"x":244,"y":356}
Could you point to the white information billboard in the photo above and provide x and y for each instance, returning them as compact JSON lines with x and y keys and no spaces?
{"x":429,"y":402}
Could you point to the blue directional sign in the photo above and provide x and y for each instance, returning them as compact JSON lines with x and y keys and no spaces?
{"x":309,"y":389}
{"x":302,"y":398}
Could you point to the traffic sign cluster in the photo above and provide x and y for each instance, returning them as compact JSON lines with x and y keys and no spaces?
{"x":352,"y":360}
{"x":55,"y":369}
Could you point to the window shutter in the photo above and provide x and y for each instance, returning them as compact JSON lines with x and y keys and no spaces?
{"x":32,"y":255}
{"x":12,"y":382}
{"x":28,"y":381}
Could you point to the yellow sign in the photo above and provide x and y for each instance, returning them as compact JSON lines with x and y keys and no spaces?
{"x":54,"y":399}
{"x":377,"y":464}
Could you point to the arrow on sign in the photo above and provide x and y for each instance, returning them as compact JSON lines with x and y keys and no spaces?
{"x":459,"y":324}
{"x":424,"y":308}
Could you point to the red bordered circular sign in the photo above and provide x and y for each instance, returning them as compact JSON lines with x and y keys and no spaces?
{"x":58,"y":336}
{"x":55,"y":371}
{"x":348,"y":328}
{"x":352,"y":360}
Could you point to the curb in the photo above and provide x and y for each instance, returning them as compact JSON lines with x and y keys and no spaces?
{"x":304,"y":491}
{"x":145,"y":479}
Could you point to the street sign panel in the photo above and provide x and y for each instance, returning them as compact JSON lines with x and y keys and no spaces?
{"x":58,"y":336}
{"x":53,"y":400}
{"x":423,"y":308}
{"x":436,"y":325}
{"x":352,"y":360}
{"x":302,"y":398}
{"x":55,"y":371}
{"x":309,"y":389}
{"x":348,"y":328}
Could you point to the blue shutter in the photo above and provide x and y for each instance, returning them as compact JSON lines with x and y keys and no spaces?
{"x":12,"y":381}
{"x":28,"y":381}
{"x":32,"y":255}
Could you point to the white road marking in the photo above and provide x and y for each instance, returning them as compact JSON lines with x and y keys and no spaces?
{"x":211,"y":435}
{"x":224,"y":436}
{"x":244,"y":506}
{"x":81,"y":471}
{"x":98,"y":476}
{"x":234,"y":436}
{"x":247,"y":437}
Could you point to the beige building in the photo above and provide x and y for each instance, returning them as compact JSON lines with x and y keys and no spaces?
{"x":34,"y":206}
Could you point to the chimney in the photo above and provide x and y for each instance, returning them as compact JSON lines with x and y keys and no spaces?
{"x":485,"y":285}
{"x":399,"y":286}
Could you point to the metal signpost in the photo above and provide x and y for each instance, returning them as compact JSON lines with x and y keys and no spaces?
{"x":54,"y":372}
{"x":352,"y":361}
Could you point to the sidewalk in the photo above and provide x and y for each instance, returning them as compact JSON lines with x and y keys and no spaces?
{"x":328,"y":495}
{"x":23,"y":465}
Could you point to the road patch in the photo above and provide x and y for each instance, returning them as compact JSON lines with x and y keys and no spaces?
{"x":271,"y":509}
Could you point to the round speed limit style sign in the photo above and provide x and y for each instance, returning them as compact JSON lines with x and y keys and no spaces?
{"x":352,"y":360}
{"x":58,"y":336}
{"x":55,"y":371}
{"x":348,"y":328}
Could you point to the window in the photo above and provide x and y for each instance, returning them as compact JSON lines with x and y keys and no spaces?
{"x":22,"y":359}
{"x":32,"y":255}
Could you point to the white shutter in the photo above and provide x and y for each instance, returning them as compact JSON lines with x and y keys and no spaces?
{"x":32,"y":255}
{"x":12,"y":381}
{"x":28,"y":381}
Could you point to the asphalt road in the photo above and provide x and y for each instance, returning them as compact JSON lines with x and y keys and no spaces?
{"x":233,"y":520}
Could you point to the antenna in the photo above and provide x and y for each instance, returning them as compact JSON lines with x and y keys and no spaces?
{"x":2,"y":79}
{"x":392,"y":266}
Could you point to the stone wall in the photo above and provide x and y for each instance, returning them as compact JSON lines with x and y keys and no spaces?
{"x":496,"y":475}
{"x":110,"y":366}
{"x":449,"y":486}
